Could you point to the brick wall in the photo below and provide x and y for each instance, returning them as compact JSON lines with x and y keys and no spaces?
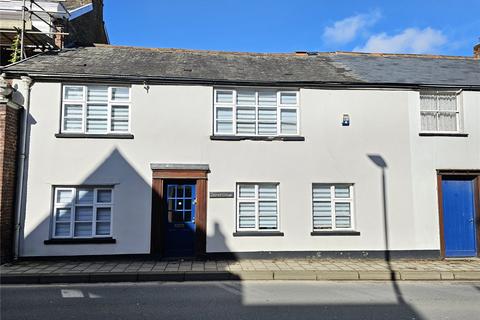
{"x":9,"y":121}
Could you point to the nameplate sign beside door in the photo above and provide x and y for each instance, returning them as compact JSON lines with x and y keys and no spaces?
{"x":221,"y":194}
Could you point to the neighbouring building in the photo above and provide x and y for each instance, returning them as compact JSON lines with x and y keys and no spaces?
{"x":191,"y":153}
{"x":48,"y":25}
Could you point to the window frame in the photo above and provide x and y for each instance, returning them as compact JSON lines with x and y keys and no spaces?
{"x":458,"y":111}
{"x":333,"y":200}
{"x":233,"y":105}
{"x":84,"y":103}
{"x":73,"y":206}
{"x":256,"y":201}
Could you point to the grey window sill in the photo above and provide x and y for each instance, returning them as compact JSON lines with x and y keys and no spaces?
{"x":94,"y":136}
{"x":257,"y":138}
{"x":258,"y":234}
{"x":80,"y":241}
{"x":335,"y":233}
{"x":442,"y":134}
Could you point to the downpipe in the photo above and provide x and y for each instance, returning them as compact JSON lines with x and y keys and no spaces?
{"x":22,"y":155}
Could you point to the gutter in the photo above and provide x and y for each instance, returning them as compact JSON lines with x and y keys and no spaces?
{"x":26,"y":84}
{"x":153,"y":80}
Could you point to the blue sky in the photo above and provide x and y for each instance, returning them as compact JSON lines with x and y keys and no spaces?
{"x":407,"y":26}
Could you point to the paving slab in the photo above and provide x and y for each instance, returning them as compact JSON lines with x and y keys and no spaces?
{"x":420,"y":275}
{"x":294,"y":275}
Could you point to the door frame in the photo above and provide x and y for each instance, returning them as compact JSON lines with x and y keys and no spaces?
{"x":161,"y":173}
{"x":475,"y":175}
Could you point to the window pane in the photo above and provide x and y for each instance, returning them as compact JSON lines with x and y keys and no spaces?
{"x":342,"y":192}
{"x":119,"y":125}
{"x":224,"y":126}
{"x":224,"y":96}
{"x":83,"y":229}
{"x":97,"y":93}
{"x":267,"y":114}
{"x":266,"y":191}
{"x":104,"y":196}
{"x":246,"y":128}
{"x":120,"y":112}
{"x":120,"y":94}
{"x":103,"y":214}
{"x":322,"y":215}
{"x":342,"y":215}
{"x":447,"y":121}
{"x":246,"y":114}
{"x":321,"y":192}
{"x":288,"y":121}
{"x":267,"y":98}
{"x":246,"y":212}
{"x":447,"y":101}
{"x":267,"y":211}
{"x":103,"y":229}
{"x":224,"y":114}
{"x":246,"y":191}
{"x":73,"y":93}
{"x":64,"y":196}
{"x":269,"y":129}
{"x":288,"y":98}
{"x":63,"y":214}
{"x":428,"y":101}
{"x":96,"y":125}
{"x":429,"y":121}
{"x":83,"y":213}
{"x":85,"y":196}
{"x":73,"y":110}
{"x":246,"y":98}
{"x":97,"y":110}
{"x":62,"y":229}
{"x":224,"y":120}
{"x":72,"y":124}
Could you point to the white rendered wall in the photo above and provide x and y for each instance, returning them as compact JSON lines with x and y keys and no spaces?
{"x":172,"y":124}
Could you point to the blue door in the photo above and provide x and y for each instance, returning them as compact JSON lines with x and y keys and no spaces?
{"x":179,"y":223}
{"x":459,"y":217}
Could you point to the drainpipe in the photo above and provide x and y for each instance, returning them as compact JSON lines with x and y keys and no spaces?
{"x":26,"y":83}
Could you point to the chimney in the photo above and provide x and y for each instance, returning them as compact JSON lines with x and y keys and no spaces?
{"x":476,"y":51}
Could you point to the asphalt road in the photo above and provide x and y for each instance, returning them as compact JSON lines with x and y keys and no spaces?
{"x":243,"y":300}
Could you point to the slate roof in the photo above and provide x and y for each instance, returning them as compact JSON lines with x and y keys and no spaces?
{"x":114,"y":62}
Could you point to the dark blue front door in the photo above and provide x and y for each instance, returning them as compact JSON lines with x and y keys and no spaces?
{"x":180,"y":219}
{"x":459,"y":217}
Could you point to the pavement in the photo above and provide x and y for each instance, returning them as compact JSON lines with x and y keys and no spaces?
{"x":227,"y":300}
{"x":81,"y":271}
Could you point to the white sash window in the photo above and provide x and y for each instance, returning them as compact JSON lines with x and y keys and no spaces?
{"x":95,"y":109}
{"x":332,"y":207}
{"x":257,"y":207}
{"x":262,"y":112}
{"x":439,"y":111}
{"x":82,"y":212}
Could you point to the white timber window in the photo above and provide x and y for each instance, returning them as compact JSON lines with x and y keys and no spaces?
{"x":257,"y":207}
{"x":440,"y":111}
{"x":95,"y":109}
{"x":255,"y":112}
{"x":82,"y":212}
{"x":332,"y":207}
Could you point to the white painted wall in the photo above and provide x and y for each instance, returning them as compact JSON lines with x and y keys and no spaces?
{"x":173,"y":124}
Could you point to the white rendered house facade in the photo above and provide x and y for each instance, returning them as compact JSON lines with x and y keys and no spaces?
{"x":178,"y":168}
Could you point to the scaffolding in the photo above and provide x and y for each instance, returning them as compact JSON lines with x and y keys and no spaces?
{"x":29,"y":37}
